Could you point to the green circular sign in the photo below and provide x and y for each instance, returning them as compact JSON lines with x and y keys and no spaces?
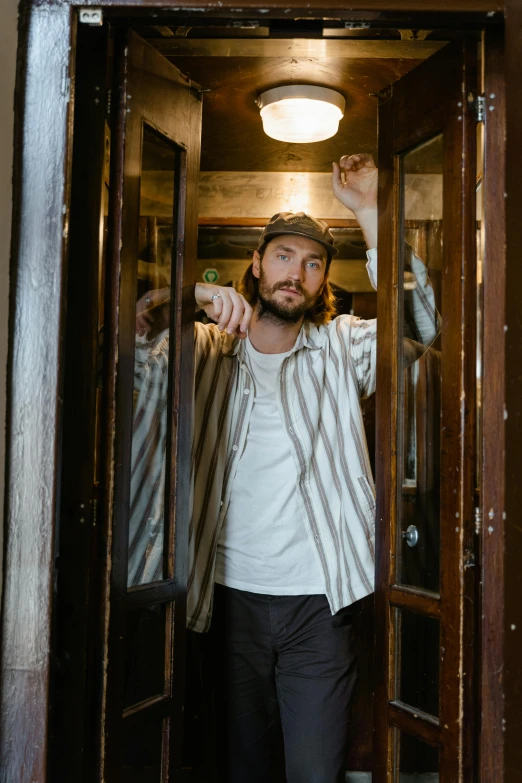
{"x":210,"y":275}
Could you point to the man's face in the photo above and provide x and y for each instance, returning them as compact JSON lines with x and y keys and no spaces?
{"x":291,"y":276}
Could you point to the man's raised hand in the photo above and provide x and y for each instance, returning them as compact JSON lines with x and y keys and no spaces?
{"x":354,"y":181}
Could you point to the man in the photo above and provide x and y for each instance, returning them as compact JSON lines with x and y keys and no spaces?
{"x":282,"y":533}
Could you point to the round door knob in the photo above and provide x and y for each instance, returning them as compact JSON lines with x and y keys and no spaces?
{"x":411,"y":535}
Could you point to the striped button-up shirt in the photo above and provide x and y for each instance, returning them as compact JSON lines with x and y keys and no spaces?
{"x":329,"y":370}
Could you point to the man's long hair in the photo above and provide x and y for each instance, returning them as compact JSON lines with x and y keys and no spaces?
{"x":322,"y":311}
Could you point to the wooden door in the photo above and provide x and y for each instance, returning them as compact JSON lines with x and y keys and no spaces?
{"x":425,"y":464}
{"x":147,"y":392}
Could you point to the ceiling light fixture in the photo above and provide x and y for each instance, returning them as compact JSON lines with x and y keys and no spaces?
{"x":301,"y":113}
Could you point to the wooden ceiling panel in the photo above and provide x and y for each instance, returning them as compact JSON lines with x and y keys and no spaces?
{"x":233,"y":137}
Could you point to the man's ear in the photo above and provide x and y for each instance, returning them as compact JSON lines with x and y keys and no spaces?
{"x":256,"y":264}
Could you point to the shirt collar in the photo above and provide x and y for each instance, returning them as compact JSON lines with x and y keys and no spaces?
{"x":310,"y":336}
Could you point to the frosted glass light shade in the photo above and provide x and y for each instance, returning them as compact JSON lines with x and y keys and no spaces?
{"x":301,"y":113}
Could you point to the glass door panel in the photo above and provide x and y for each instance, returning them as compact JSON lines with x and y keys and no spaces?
{"x":415,"y":761}
{"x":417,"y":661}
{"x":418,"y":429}
{"x":146,"y":654}
{"x":158,"y":185}
{"x":143,"y":740}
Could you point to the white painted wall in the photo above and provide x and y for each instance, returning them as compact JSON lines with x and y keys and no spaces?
{"x":8,"y":47}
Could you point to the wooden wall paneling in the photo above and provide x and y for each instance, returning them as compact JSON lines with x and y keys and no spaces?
{"x":512,"y":661}
{"x":34,"y":386}
{"x":492,"y":682}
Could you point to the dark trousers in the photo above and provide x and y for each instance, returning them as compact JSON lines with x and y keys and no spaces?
{"x":281,"y":662}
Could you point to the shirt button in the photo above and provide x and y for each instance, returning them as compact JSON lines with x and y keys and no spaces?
{"x":247,"y":391}
{"x":291,"y":431}
{"x":234,"y":448}
{"x":221,"y":503}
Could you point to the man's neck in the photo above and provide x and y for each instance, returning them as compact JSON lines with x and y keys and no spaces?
{"x":270,"y":335}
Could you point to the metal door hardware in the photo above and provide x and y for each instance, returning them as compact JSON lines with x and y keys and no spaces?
{"x":411,"y":535}
{"x":92,"y":16}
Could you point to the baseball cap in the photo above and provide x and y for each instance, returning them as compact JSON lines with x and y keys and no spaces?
{"x":302,"y":225}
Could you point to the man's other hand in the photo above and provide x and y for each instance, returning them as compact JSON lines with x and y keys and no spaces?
{"x":225,"y":306}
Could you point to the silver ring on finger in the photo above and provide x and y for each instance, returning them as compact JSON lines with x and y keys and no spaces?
{"x":216,"y":296}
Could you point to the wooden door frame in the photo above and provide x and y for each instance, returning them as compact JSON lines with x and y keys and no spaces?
{"x":420,"y":106}
{"x":42,"y":161}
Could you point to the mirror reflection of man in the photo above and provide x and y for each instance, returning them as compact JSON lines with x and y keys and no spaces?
{"x":281,"y":539}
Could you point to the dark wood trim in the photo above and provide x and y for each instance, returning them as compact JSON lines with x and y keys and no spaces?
{"x":146,"y":595}
{"x":385,"y":457}
{"x":512,"y":632}
{"x":262,"y":221}
{"x":181,"y":422}
{"x":39,"y":245}
{"x":414,"y":599}
{"x":457,"y":478}
{"x":419,"y":724}
{"x":444,"y":82}
{"x":492,"y":734}
{"x":157,"y":706}
{"x":75,"y":607}
{"x":367,"y":7}
{"x":107,"y":750}
{"x":468,"y":574}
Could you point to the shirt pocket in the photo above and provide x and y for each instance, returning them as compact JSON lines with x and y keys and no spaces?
{"x":366,"y":499}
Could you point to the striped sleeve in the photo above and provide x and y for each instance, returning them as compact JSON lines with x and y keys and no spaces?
{"x":355,"y":340}
{"x":149,"y":436}
{"x":422,"y":321}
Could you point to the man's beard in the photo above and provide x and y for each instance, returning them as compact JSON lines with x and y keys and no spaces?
{"x":286,"y":311}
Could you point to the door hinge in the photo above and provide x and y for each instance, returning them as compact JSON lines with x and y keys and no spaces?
{"x":478,"y":104}
{"x":384,"y":95}
{"x":478,"y":520}
{"x":66,"y":84}
{"x":92,"y":16}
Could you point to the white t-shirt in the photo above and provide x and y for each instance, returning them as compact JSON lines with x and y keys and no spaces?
{"x":264,"y":545}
